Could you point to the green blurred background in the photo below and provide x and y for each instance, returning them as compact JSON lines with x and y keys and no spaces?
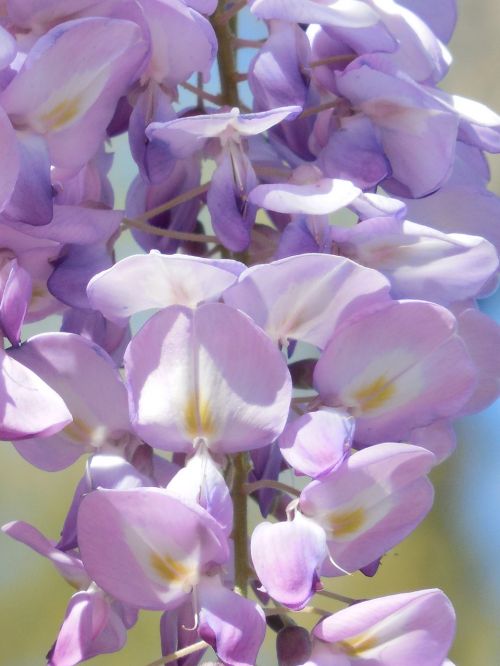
{"x":457,"y":548}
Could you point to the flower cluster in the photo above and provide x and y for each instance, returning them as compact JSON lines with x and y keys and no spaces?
{"x":284,"y":341}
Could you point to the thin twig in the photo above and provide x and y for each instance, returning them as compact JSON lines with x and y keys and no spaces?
{"x":337,"y":597}
{"x":176,"y":201}
{"x":331,"y":60}
{"x":267,"y":483}
{"x":318,"y":109}
{"x":184,"y":652}
{"x":202,"y":94}
{"x":169,"y":233}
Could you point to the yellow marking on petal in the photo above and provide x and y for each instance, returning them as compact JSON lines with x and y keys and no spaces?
{"x":344,"y":523}
{"x":375,"y":395}
{"x":356,"y":645}
{"x":79,"y":431}
{"x":190,"y":417}
{"x":198,"y":418}
{"x":172,"y":571}
{"x":61,"y":114}
{"x":37,"y":293}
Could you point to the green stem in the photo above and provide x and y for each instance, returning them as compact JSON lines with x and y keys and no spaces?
{"x":240,"y":523}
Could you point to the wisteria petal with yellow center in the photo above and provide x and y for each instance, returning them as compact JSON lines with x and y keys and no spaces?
{"x":156,"y":546}
{"x":207,"y":375}
{"x":395,"y":369}
{"x":413,"y":629}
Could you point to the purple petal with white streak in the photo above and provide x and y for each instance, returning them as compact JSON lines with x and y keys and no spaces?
{"x":315,"y":444}
{"x":419,"y":261}
{"x":141,"y":282}
{"x":287,"y":557}
{"x":207,"y":366}
{"x":201,"y":482}
{"x":305,"y":297}
{"x":234,"y":626}
{"x":89,"y":382}
{"x":91,"y":627}
{"x":15,"y":295}
{"x":370,"y":503}
{"x":326,"y":195}
{"x":397,"y":368}
{"x":415,"y":628}
{"x":156,"y":547}
{"x":72,"y":107}
{"x":28,"y":406}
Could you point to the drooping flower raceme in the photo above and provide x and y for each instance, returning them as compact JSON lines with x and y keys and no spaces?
{"x":302,"y":333}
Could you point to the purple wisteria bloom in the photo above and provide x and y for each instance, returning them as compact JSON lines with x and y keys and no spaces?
{"x":344,"y":521}
{"x":232,"y":215}
{"x":196,"y":377}
{"x":159,"y":551}
{"x":94,"y":623}
{"x":415,"y":628}
{"x":306,"y":297}
{"x":142,"y":282}
{"x":71,"y":108}
{"x":88,"y":380}
{"x":417,"y":371}
{"x":28,"y":406}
